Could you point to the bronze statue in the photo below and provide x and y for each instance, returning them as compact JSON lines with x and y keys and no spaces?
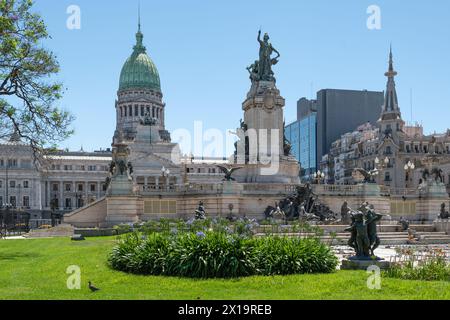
{"x":287,"y":146}
{"x":244,"y":126}
{"x":148,"y":120}
{"x":364,"y":176}
{"x":360,"y":236}
{"x":364,"y":236}
{"x":345,"y":210}
{"x":302,"y":204}
{"x":253,"y":69}
{"x":200,"y":213}
{"x":265,"y":63}
{"x":229,"y":172}
{"x":404,"y":223}
{"x":444,"y":214}
{"x":372,"y":218}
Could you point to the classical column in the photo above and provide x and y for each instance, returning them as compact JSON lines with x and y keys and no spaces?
{"x":157,"y":182}
{"x":145,"y":183}
{"x":48,"y":195}
{"x":98,"y":189}
{"x":61,"y":195}
{"x":86,"y":193}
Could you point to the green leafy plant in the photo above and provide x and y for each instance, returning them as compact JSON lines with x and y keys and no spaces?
{"x":122,"y":229}
{"x":210,"y":254}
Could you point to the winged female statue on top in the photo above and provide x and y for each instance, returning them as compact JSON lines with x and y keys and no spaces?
{"x":262,"y":70}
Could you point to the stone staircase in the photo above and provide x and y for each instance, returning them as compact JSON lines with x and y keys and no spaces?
{"x":397,"y":238}
{"x":63,"y":230}
{"x":389,"y":235}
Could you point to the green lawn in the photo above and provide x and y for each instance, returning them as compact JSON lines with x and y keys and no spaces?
{"x":36,"y":269}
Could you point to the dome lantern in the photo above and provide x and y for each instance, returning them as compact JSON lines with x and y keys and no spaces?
{"x":139,"y":71}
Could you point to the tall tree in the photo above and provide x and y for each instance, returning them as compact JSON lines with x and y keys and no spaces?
{"x":28,"y":89}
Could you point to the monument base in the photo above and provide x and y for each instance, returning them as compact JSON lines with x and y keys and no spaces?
{"x":356,"y":264}
{"x":121,"y":186}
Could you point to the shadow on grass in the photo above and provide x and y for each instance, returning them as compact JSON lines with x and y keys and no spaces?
{"x":18,"y":255}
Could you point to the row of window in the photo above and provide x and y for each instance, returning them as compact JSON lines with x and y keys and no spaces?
{"x":425,"y":149}
{"x":130,"y":93}
{"x":16,"y":184}
{"x":68,"y":187}
{"x":67,"y":203}
{"x":127,"y":111}
{"x":201,"y":170}
{"x":13,"y":202}
{"x":15,"y":163}
{"x":69,"y":167}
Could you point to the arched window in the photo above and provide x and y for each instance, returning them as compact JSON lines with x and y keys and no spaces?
{"x":121,"y":111}
{"x":125,"y":111}
{"x":388,"y":150}
{"x":130,"y":111}
{"x":153,"y":112}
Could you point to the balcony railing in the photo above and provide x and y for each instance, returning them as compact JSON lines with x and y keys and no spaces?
{"x":359,"y":189}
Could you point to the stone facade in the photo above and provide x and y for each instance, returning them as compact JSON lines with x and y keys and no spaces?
{"x":61,"y":181}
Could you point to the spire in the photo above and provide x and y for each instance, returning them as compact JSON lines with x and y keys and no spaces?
{"x":391,"y":101}
{"x":391,"y":72}
{"x":139,"y":47}
{"x":139,"y":16}
{"x":15,"y":136}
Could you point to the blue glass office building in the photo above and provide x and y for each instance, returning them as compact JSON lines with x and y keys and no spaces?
{"x":322,"y":121}
{"x":302,"y":135}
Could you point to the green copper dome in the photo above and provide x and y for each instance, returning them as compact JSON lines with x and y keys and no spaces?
{"x":139,"y":71}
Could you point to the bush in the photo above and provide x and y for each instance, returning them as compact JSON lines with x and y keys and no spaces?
{"x":210,"y":255}
{"x":123,"y":229}
{"x":220,"y":255}
{"x":283,"y":256}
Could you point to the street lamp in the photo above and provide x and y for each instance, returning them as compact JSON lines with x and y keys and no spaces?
{"x":318,"y":176}
{"x":408,"y":168}
{"x":385,"y":162}
{"x":381,"y":165}
{"x":165,"y":174}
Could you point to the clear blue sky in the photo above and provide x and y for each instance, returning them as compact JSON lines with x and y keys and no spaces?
{"x":201,"y":48}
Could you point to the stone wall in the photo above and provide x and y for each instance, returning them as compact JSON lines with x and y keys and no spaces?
{"x":442,"y":226}
{"x":123,"y":209}
{"x":93,"y":215}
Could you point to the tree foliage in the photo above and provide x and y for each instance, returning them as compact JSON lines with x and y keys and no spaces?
{"x":28,"y":90}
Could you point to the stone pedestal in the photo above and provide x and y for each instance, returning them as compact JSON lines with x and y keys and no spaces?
{"x":121,"y":185}
{"x":369,"y":189}
{"x":123,"y":210}
{"x":431,"y":197}
{"x":350,"y":264}
{"x":264,"y":129}
{"x":232,"y":188}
